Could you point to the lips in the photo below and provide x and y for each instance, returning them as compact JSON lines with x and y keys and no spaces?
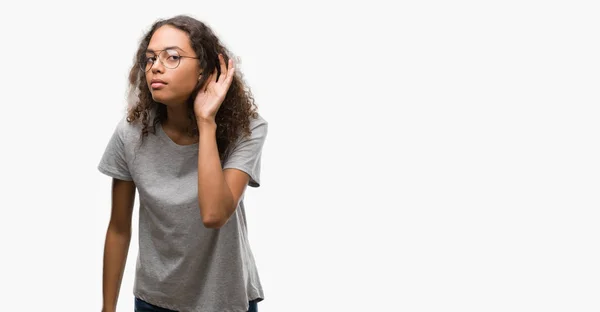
{"x":157,"y":83}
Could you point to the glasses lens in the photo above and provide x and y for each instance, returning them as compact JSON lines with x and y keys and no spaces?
{"x":146,"y":62}
{"x":170,"y":58}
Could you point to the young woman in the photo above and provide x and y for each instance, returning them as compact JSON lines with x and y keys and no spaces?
{"x":190,"y":145}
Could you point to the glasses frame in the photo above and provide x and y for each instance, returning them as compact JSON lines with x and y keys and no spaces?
{"x":143,"y":63}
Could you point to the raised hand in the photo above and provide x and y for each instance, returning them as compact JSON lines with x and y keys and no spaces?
{"x":210,"y":98}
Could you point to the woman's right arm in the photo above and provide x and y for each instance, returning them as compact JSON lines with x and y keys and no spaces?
{"x":116,"y":246}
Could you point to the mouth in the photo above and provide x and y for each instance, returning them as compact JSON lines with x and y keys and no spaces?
{"x":157,"y":84}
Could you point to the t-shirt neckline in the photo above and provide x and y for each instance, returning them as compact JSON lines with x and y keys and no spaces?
{"x":165,"y":137}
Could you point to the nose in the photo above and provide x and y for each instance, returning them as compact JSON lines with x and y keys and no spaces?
{"x":157,"y":67}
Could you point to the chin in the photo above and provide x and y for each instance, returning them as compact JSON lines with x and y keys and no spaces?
{"x":160,"y":98}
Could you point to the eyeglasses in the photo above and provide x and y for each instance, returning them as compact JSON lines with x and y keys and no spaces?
{"x":170,"y":58}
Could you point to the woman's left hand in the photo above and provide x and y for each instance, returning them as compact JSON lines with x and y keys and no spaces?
{"x":210,"y":98}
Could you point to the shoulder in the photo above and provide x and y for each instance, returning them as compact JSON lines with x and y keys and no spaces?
{"x":127,"y":130}
{"x":258,"y":126}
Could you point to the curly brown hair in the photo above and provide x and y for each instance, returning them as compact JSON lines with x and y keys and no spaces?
{"x":233,"y":117}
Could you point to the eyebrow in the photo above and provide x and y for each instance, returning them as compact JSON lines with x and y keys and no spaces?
{"x":166,"y":48}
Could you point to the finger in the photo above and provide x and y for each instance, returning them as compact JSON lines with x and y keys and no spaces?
{"x":223,"y":75}
{"x":211,"y":79}
{"x":230,"y":72}
{"x":215,"y":76}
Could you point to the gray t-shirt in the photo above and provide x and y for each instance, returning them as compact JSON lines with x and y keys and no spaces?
{"x":181,"y":264}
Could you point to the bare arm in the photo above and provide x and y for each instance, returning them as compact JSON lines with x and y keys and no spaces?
{"x":219,"y":191}
{"x":116,"y":246}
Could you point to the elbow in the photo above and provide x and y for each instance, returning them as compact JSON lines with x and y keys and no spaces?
{"x":215,"y":218}
{"x":213,"y":221}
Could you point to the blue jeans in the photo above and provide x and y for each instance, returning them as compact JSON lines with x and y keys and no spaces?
{"x":143,"y":306}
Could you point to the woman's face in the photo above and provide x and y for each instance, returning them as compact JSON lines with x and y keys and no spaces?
{"x":171,"y":74}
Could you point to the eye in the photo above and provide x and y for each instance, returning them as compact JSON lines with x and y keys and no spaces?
{"x":172,"y":55}
{"x":149,"y":59}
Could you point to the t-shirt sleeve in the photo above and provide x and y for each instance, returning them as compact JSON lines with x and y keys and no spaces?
{"x":113,"y":162}
{"x":246,"y":154}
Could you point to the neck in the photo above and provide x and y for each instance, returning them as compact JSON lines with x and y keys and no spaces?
{"x":177,"y":118}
